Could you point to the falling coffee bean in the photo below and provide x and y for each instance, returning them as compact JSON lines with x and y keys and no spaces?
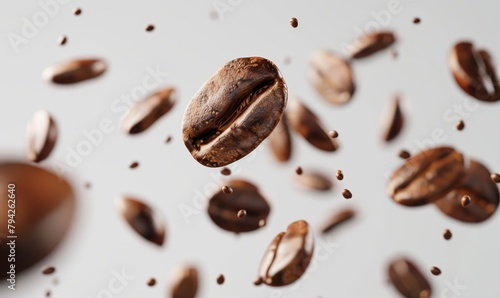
{"x":134,"y":165}
{"x":151,"y":282}
{"x":288,"y":256}
{"x":460,"y":125}
{"x":346,"y":194}
{"x":427,"y":176}
{"x":416,"y":20}
{"x":495,"y":177}
{"x":145,"y":113}
{"x":447,"y":234}
{"x":333,"y":134}
{"x":168,"y":139}
{"x":143,"y":219}
{"x":220,"y":279}
{"x":61,"y":40}
{"x":332,"y":77}
{"x":337,"y":219}
{"x":227,"y":190}
{"x":478,"y":185}
{"x":465,"y":201}
{"x":339,"y":175}
{"x":393,"y":121}
{"x":306,"y":123}
{"x":371,"y":43}
{"x":474,"y":72}
{"x":225,"y":210}
{"x":280,"y":141}
{"x":408,"y":279}
{"x":294,"y":22}
{"x":150,"y":28}
{"x":298,"y":170}
{"x":404,"y":154}
{"x":77,"y":11}
{"x":48,"y":270}
{"x":234,"y":111}
{"x":242,"y":213}
{"x":44,"y":204}
{"x":225,"y":171}
{"x":75,"y":71}
{"x":315,"y":181}
{"x":435,"y":271}
{"x":41,"y":135}
{"x":184,"y":283}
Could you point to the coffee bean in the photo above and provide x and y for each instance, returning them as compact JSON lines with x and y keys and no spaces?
{"x":465,"y":201}
{"x":225,"y":210}
{"x":393,"y":121}
{"x":337,"y":219}
{"x":134,"y":165}
{"x":75,"y":71}
{"x":298,"y":170}
{"x":151,"y":282}
{"x":332,"y":77}
{"x":288,"y":256}
{"x":294,"y":22}
{"x":227,"y":190}
{"x":306,"y":123}
{"x":426,"y":176}
{"x":280,"y":141}
{"x":371,"y":43}
{"x":150,"y":28}
{"x":220,"y":279}
{"x":478,"y":185}
{"x":404,"y":154}
{"x":242,"y":213}
{"x":234,"y":111}
{"x":48,"y":270}
{"x":346,"y":194}
{"x":143,"y":219}
{"x":44,"y":207}
{"x":142,"y":115}
{"x":339,"y":175}
{"x":495,"y":177}
{"x":315,"y":181}
{"x":460,"y":125}
{"x":416,"y":20}
{"x":47,"y":293}
{"x":62,"y":40}
{"x":447,"y":234}
{"x":474,"y":72}
{"x":408,"y":279}
{"x":184,"y":283}
{"x":225,"y":171}
{"x":333,"y":134}
{"x":77,"y":11}
{"x":168,"y":139}
{"x":435,"y":271}
{"x":41,"y":136}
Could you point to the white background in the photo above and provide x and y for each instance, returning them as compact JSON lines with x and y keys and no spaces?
{"x":190,"y":45}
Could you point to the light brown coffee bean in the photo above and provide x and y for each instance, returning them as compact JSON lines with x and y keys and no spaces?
{"x":447,"y":234}
{"x":408,"y":279}
{"x":41,"y":136}
{"x":184,"y":282}
{"x":75,"y":71}
{"x":280,"y":141}
{"x":337,"y":219}
{"x":314,"y":180}
{"x":393,"y":120}
{"x":371,"y":43}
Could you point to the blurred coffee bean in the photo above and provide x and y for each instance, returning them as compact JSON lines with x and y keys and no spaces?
{"x":371,"y":43}
{"x":280,"y":141}
{"x":337,"y":219}
{"x":184,"y":283}
{"x":408,"y":279}
{"x":41,"y":135}
{"x":75,"y":71}
{"x":314,"y":180}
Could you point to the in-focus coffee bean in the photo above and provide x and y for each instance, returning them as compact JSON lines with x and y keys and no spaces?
{"x":41,"y":136}
{"x":151,"y":282}
{"x":333,"y":134}
{"x":339,"y":175}
{"x":404,"y":154}
{"x":347,"y":194}
{"x":48,"y":270}
{"x":435,"y":271}
{"x":408,"y":279}
{"x":77,"y":11}
{"x":133,"y":165}
{"x":314,"y":180}
{"x":220,"y":279}
{"x":299,"y":171}
{"x":150,"y":28}
{"x":393,"y":120}
{"x":447,"y":234}
{"x":460,"y":125}
{"x":337,"y":219}
{"x":280,"y":141}
{"x":61,"y":40}
{"x":371,"y":43}
{"x":294,"y":22}
{"x":75,"y":71}
{"x":465,"y":201}
{"x":225,"y":171}
{"x":184,"y":282}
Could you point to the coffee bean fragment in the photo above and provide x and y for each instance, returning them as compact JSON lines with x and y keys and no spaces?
{"x":465,"y":201}
{"x":447,"y":234}
{"x":143,"y":219}
{"x":495,"y":177}
{"x":234,"y":111}
{"x":134,"y":165}
{"x":48,"y":270}
{"x":224,"y":210}
{"x":150,"y":28}
{"x":337,"y":219}
{"x":307,"y":124}
{"x":332,"y":76}
{"x":460,"y":125}
{"x":408,"y":279}
{"x":314,"y":180}
{"x":220,"y":279}
{"x":280,"y":141}
{"x":294,"y":22}
{"x":371,"y":43}
{"x":227,"y":190}
{"x":151,"y":282}
{"x":225,"y":171}
{"x":404,"y":154}
{"x":339,"y":175}
{"x":145,"y":113}
{"x":346,"y":194}
{"x":184,"y":282}
{"x":416,"y":20}
{"x":333,"y":134}
{"x":41,"y":136}
{"x":75,"y":71}
{"x":288,"y":256}
{"x":298,"y":170}
{"x":435,"y":271}
{"x":61,"y":40}
{"x":77,"y":11}
{"x":393,"y":120}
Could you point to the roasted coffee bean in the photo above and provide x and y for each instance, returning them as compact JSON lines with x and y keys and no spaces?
{"x":151,"y":282}
{"x":447,"y":234}
{"x":495,"y":177}
{"x":294,"y":22}
{"x":168,"y":139}
{"x":465,"y":201}
{"x":346,"y":194}
{"x":134,"y":165}
{"x":225,"y":171}
{"x":416,"y":20}
{"x":220,"y":279}
{"x":77,"y":11}
{"x":371,"y":43}
{"x":314,"y":180}
{"x":288,"y":256}
{"x":474,"y":71}
{"x":61,"y":40}
{"x":460,"y":125}
{"x":408,"y":279}
{"x":393,"y":121}
{"x":44,"y":209}
{"x":227,"y":190}
{"x":333,"y":134}
{"x":435,"y":271}
{"x":299,"y":171}
{"x":331,"y":76}
{"x":242,"y":213}
{"x":41,"y":135}
{"x":304,"y":122}
{"x":224,"y":209}
{"x":477,"y":185}
{"x":339,"y":175}
{"x":426,"y":176}
{"x":145,"y":113}
{"x":184,"y":283}
{"x":280,"y":141}
{"x":150,"y":28}
{"x":143,"y":219}
{"x":404,"y":154}
{"x":337,"y":219}
{"x":234,"y":111}
{"x":48,"y":270}
{"x":75,"y":71}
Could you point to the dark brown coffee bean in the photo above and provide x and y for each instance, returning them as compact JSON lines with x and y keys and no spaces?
{"x":426,"y":176}
{"x":416,"y":20}
{"x":465,"y":201}
{"x":220,"y":279}
{"x":408,"y":279}
{"x":435,"y":271}
{"x":225,"y":171}
{"x":305,"y":123}
{"x":294,"y":22}
{"x":41,"y":136}
{"x":460,"y":125}
{"x":227,"y":190}
{"x":447,"y":234}
{"x":298,"y":171}
{"x":143,"y":219}
{"x":280,"y":141}
{"x":477,"y":185}
{"x":61,"y":40}
{"x":242,"y":213}
{"x":371,"y":43}
{"x":168,"y":139}
{"x":339,"y":175}
{"x":337,"y":219}
{"x":495,"y":177}
{"x":75,"y":71}
{"x":77,"y":11}
{"x":474,"y":72}
{"x":134,"y":165}
{"x":332,"y":77}
{"x":234,"y":111}
{"x":44,"y":210}
{"x":347,"y":194}
{"x":184,"y":283}
{"x":150,"y":28}
{"x":145,"y":113}
{"x":224,"y":209}
{"x":315,"y":181}
{"x":48,"y":270}
{"x":151,"y":282}
{"x":404,"y":154}
{"x":288,"y":256}
{"x":393,"y":121}
{"x":333,"y":134}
